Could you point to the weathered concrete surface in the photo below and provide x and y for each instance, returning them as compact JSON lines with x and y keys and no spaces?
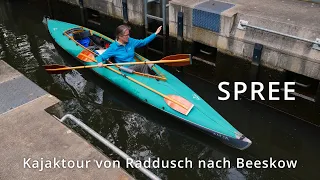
{"x":12,"y":95}
{"x":74,"y":2}
{"x":108,"y":7}
{"x":7,"y":73}
{"x":185,"y":6}
{"x":28,"y":131}
{"x":135,"y":12}
{"x":300,"y":13}
{"x":114,"y":8}
{"x":295,"y":18}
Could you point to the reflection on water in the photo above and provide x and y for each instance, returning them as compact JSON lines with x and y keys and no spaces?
{"x":19,"y":47}
{"x":144,"y":132}
{"x":2,"y":55}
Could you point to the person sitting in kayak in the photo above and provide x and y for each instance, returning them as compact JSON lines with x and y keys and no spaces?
{"x":122,"y":49}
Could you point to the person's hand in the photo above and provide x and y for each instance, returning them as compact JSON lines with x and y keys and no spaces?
{"x":100,"y":64}
{"x":159,"y":29}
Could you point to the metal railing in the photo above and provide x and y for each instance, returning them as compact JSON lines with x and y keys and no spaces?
{"x":109,"y":145}
{"x":243,"y":24}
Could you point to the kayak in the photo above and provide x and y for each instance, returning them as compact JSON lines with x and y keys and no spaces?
{"x":160,"y":89}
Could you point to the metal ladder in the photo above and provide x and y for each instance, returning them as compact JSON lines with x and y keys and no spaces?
{"x":163,"y":19}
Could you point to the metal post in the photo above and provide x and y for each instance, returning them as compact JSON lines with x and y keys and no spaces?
{"x":82,"y":13}
{"x":164,"y":26}
{"x":180,"y":36}
{"x":108,"y":144}
{"x":145,"y":12}
{"x":257,"y":52}
{"x":164,"y":17}
{"x":125,"y":10}
{"x":255,"y":64}
{"x":180,"y":25}
{"x":180,"y":31}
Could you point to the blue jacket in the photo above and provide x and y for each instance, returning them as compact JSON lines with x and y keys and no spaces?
{"x":124,"y":53}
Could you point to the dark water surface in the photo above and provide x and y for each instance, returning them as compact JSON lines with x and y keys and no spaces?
{"x":141,"y":131}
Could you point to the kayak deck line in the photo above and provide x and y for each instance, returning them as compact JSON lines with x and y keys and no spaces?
{"x":187,"y":108}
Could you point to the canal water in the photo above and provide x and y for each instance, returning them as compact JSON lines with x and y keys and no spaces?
{"x":143,"y":132}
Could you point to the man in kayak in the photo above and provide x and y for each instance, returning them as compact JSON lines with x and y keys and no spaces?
{"x":122,"y":49}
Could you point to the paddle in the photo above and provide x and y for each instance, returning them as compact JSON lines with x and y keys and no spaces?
{"x":177,"y":103}
{"x":182,"y":61}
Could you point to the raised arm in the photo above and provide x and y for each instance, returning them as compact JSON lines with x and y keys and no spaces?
{"x":142,"y":42}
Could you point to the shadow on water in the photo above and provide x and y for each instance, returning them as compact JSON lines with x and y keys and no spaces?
{"x":142,"y":131}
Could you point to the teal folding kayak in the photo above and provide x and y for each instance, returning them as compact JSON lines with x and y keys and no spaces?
{"x":161,"y":90}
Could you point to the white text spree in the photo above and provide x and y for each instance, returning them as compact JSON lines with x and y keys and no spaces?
{"x":256,"y":89}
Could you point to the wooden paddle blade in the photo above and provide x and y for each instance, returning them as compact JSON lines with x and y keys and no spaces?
{"x":187,"y":57}
{"x":178,"y":64}
{"x":187,"y":106}
{"x":86,"y":56}
{"x":53,"y":66}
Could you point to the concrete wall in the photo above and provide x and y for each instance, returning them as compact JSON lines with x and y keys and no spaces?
{"x":279,"y":52}
{"x":114,"y":8}
{"x":74,"y":2}
{"x":135,"y":12}
{"x":185,"y":7}
{"x":108,"y":7}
